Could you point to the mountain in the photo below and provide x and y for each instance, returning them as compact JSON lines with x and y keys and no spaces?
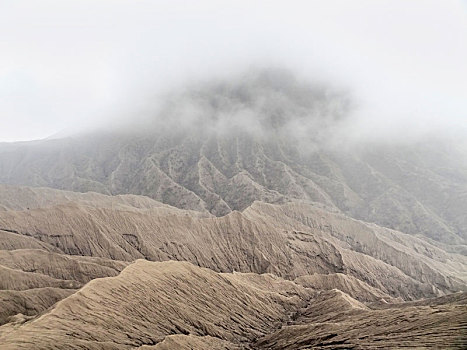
{"x":220,"y":146}
{"x":237,"y":216}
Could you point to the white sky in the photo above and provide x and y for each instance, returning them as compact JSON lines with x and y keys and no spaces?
{"x":65,"y":64}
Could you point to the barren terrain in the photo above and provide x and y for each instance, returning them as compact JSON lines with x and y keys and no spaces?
{"x":239,"y":217}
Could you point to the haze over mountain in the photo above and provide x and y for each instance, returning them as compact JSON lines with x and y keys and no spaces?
{"x":239,"y":214}
{"x":264,"y":136}
{"x":68,"y":66}
{"x":235,"y":175}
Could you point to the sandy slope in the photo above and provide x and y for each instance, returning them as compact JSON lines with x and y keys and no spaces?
{"x":293,"y":276}
{"x":225,"y":311}
{"x":166,"y":298}
{"x":289,"y":240}
{"x":29,"y":302}
{"x":77,"y":268}
{"x":439,"y":326}
{"x":11,"y":279}
{"x":350,"y":285}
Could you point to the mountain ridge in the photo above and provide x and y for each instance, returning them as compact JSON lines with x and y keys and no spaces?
{"x":268,"y":136}
{"x":238,"y":214}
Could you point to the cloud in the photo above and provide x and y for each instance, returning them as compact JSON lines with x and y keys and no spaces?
{"x":83,"y":63}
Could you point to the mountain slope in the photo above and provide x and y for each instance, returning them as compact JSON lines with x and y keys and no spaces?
{"x":289,"y":240}
{"x":29,"y":302}
{"x":179,"y":298}
{"x":352,"y":286}
{"x":240,"y":215}
{"x":267,"y":136}
{"x":77,"y":268}
{"x":437,"y":326}
{"x":177,"y":305}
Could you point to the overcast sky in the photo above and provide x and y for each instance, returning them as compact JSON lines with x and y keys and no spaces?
{"x":65,"y":64}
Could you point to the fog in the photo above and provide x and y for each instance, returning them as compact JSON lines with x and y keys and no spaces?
{"x":398,"y":67}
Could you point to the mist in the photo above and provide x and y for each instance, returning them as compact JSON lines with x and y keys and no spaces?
{"x":393,"y":71}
